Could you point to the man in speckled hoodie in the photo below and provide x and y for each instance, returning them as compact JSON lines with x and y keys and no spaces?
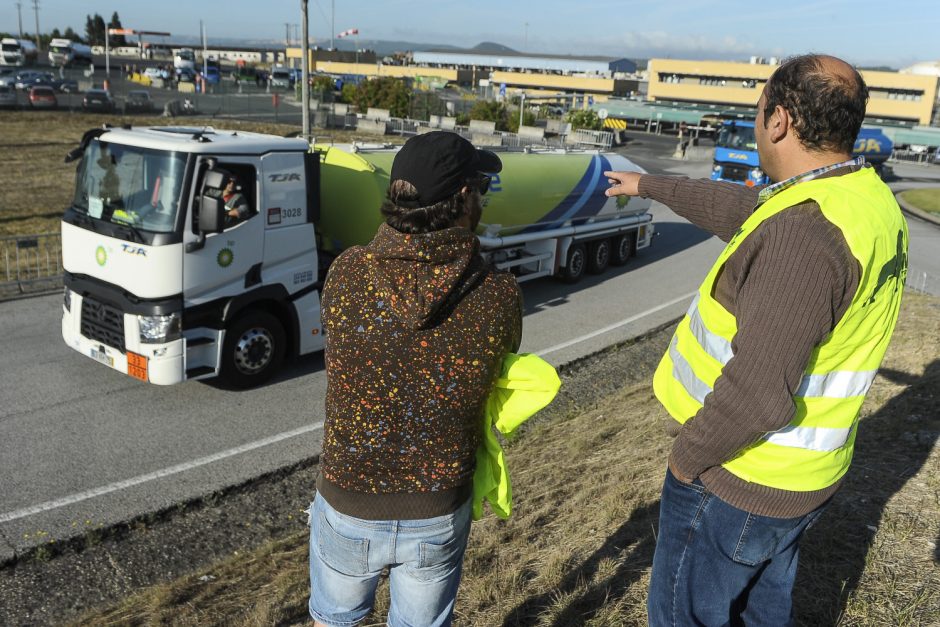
{"x":417,"y":326}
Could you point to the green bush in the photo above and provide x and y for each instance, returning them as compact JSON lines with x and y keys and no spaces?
{"x":584,"y":118}
{"x":384,"y":93}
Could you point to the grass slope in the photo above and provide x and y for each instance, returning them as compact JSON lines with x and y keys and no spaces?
{"x":578,"y":548}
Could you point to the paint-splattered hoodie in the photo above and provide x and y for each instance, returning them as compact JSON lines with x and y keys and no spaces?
{"x":417,"y":327}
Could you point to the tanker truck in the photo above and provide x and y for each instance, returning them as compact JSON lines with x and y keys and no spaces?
{"x":158,"y":285}
{"x":736,"y":158}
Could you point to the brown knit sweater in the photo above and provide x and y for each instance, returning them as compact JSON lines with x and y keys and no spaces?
{"x":417,"y":327}
{"x":787,"y":285}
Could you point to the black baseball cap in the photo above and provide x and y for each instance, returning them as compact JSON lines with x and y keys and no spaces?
{"x":438,"y":164}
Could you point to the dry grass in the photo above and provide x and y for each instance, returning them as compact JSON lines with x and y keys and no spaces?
{"x":36,"y":185}
{"x":578,"y":549}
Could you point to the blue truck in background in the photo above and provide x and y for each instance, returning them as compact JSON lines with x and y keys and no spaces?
{"x":736,"y":157}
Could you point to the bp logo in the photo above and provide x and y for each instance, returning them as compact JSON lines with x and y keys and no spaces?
{"x":101,"y":255}
{"x":225,"y":257}
{"x":622,"y":201}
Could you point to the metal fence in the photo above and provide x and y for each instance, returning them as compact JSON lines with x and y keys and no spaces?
{"x":31,"y":263}
{"x":911,"y":156}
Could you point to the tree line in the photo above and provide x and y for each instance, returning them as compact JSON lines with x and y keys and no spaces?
{"x":95,"y":28}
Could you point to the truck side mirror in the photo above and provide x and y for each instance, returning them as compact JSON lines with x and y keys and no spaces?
{"x":211,"y":213}
{"x":211,"y":207}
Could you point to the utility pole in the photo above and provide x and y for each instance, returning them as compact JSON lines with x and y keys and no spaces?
{"x":19,"y":15}
{"x":305,"y":72}
{"x":36,"y":11}
{"x":332,"y":21}
{"x":525,"y":44}
{"x":287,"y":28}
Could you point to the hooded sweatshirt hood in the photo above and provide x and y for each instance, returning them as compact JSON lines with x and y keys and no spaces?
{"x":424,"y":275}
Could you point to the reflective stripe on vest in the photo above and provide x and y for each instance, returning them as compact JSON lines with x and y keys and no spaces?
{"x":815,"y":449}
{"x":839,"y":384}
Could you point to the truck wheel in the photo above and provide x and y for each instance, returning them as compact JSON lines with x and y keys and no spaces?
{"x":574,"y":267}
{"x":253,"y":350}
{"x":623,"y":247}
{"x":598,"y":256}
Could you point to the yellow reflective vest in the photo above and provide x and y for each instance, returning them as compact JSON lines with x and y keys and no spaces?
{"x":815,"y":449}
{"x":526,"y":384}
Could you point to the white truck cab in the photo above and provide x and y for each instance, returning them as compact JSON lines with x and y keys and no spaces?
{"x":161,"y":284}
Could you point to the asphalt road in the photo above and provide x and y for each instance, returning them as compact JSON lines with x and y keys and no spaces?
{"x":83,"y":447}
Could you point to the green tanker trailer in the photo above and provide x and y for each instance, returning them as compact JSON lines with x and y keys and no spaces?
{"x":160,"y":286}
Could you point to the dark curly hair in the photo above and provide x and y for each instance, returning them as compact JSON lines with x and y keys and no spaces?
{"x":417,"y":221}
{"x":826,"y":107}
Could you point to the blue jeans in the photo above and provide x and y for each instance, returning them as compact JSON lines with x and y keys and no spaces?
{"x":719,"y":565}
{"x":347,"y":556}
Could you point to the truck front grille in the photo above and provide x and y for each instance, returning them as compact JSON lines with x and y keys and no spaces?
{"x":731,"y":172}
{"x":103,"y":323}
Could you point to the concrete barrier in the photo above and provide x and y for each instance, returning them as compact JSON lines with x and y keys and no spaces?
{"x":485,"y":139}
{"x":482,"y":126}
{"x":340,"y":108}
{"x":376,"y":127}
{"x":383,"y":115}
{"x":533,"y":133}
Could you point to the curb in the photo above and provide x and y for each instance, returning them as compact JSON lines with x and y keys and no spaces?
{"x":914,"y":211}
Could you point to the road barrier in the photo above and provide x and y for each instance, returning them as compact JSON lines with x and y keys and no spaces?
{"x":910,"y":156}
{"x":31,"y":264}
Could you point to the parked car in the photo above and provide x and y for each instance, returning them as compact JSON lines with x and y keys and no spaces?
{"x":153,"y":73}
{"x":98,"y":100}
{"x":65,"y":85}
{"x":7,"y":76}
{"x":138,"y":100}
{"x":28,"y":78}
{"x":8,"y":97}
{"x":42,"y":97}
{"x":185,"y":75}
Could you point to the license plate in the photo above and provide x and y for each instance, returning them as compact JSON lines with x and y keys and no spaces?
{"x":102,"y":357}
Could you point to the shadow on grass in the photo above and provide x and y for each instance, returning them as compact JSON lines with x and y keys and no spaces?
{"x":632,"y":545}
{"x":891,"y":447}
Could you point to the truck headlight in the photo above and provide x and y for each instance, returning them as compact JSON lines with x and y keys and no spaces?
{"x":159,"y":329}
{"x":67,"y":299}
{"x":757,"y":174}
{"x":716,"y":169}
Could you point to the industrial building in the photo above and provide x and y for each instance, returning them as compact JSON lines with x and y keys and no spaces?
{"x":894,"y":97}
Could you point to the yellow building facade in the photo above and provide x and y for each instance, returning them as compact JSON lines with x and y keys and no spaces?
{"x":893,"y":96}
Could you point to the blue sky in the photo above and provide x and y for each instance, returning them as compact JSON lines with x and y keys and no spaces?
{"x":865,"y":32}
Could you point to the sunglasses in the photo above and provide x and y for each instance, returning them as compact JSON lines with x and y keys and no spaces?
{"x":482,"y":183}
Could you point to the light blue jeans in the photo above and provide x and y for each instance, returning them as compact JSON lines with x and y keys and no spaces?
{"x":347,"y":556}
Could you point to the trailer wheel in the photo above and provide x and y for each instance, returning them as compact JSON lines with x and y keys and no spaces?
{"x":598,"y":256}
{"x":574,"y":266}
{"x":253,"y":350}
{"x":623,"y":247}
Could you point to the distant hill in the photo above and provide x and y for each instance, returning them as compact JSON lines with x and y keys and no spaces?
{"x":491,"y":47}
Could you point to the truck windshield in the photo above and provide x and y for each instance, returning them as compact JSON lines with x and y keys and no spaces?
{"x":58,"y":49}
{"x":186,"y":55}
{"x":130,"y":185}
{"x":740,"y":137}
{"x":10,"y":47}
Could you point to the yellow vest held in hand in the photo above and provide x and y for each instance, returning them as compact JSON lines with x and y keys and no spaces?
{"x":815,"y":449}
{"x":526,"y":384}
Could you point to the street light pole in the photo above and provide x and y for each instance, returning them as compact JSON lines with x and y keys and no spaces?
{"x":19,"y":17}
{"x":332,"y":22}
{"x":305,"y":72}
{"x":36,"y":11}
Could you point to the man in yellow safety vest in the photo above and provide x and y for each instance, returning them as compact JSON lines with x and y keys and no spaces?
{"x":767,"y":372}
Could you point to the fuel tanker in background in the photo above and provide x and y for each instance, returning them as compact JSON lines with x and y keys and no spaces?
{"x":160,"y":286}
{"x":736,"y":157}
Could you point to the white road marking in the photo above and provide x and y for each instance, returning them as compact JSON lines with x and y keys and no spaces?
{"x":616,"y":325}
{"x":159,"y":474}
{"x":202,"y":461}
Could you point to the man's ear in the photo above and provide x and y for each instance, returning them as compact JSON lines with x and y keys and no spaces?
{"x":779,"y":124}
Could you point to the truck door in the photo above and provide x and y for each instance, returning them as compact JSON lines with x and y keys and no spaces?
{"x":229,"y":262}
